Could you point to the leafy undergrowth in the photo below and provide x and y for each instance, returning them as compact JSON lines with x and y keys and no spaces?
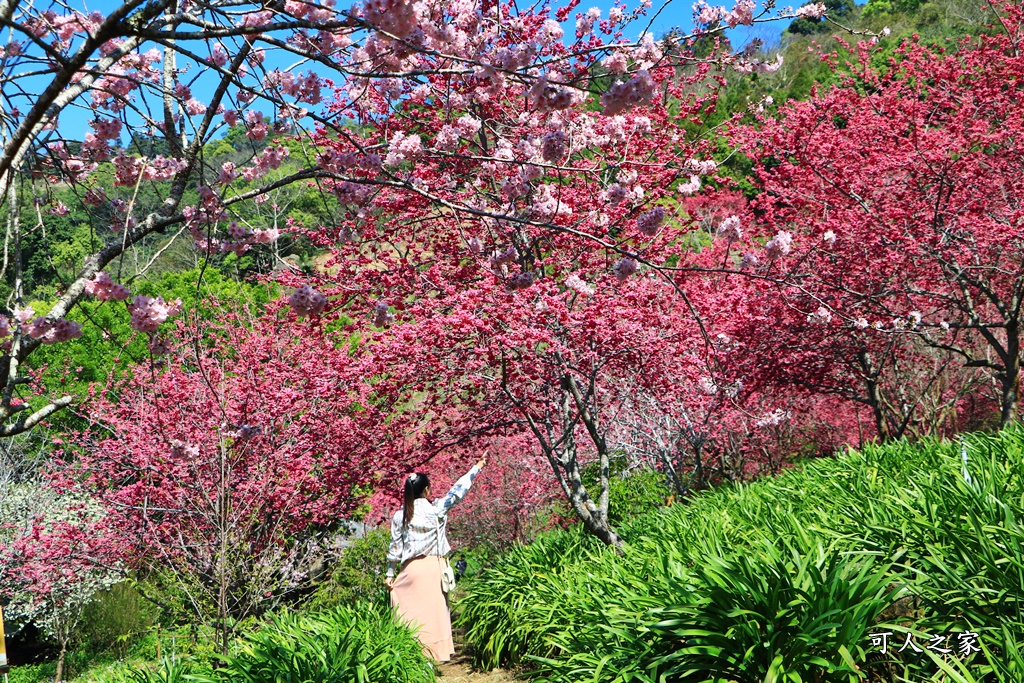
{"x":786,"y":579}
{"x":357,"y":643}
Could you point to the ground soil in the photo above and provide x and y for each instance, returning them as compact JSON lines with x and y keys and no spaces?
{"x":459,"y":671}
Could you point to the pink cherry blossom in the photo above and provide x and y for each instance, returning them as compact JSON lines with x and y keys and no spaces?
{"x":306,"y":301}
{"x":730,"y":230}
{"x":625,"y":267}
{"x":649,"y":223}
{"x":779,"y":246}
{"x":105,"y":289}
{"x":814,"y":10}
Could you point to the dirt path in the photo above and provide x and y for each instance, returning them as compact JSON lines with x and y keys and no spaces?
{"x":459,"y":671}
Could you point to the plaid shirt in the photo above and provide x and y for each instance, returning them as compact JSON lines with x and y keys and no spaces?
{"x":427,"y":533}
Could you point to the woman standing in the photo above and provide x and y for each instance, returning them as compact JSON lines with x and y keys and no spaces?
{"x":419,"y":541}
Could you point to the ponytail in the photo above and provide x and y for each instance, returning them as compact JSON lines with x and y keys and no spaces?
{"x":415,"y":485}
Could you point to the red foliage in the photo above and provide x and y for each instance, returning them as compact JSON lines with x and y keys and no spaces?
{"x":903,"y":191}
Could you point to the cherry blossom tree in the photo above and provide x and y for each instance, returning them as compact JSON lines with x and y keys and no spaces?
{"x":907,"y":387}
{"x":52,"y":560}
{"x":893,"y":204}
{"x":231,"y":467}
{"x":384,"y":106}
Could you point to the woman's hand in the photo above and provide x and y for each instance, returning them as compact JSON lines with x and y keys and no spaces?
{"x":482,"y":461}
{"x":390,"y":583}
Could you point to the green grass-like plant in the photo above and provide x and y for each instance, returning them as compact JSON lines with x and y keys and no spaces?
{"x":784,"y":579}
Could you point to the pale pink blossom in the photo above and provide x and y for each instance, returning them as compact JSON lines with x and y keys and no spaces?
{"x":814,"y":10}
{"x":702,"y":166}
{"x":773,"y":419}
{"x":821,"y":316}
{"x":690,"y":187}
{"x":256,"y":127}
{"x":382,"y":317}
{"x":730,"y":229}
{"x":742,"y":13}
{"x":757,"y":65}
{"x":105,"y":289}
{"x":624,"y":96}
{"x":707,"y":15}
{"x":551,"y":31}
{"x":624,"y":268}
{"x":219,"y":55}
{"x":616,"y":63}
{"x":585,"y":22}
{"x":194,"y":107}
{"x":649,"y":223}
{"x":147,"y":313}
{"x":779,"y":246}
{"x":554,"y":147}
{"x":468,"y":126}
{"x":447,"y":139}
{"x":307,"y":301}
{"x":575,"y":283}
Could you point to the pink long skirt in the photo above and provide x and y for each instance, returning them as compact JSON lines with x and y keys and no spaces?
{"x":421,"y":604}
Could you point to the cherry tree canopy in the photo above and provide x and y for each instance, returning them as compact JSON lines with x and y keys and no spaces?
{"x":476,"y":110}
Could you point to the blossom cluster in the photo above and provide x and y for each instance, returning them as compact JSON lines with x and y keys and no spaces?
{"x":307,"y":301}
{"x":773,"y":419}
{"x":53,"y":331}
{"x":625,"y":95}
{"x":814,"y":10}
{"x":105,"y":289}
{"x":147,"y":313}
{"x":500,"y":260}
{"x":401,"y":147}
{"x":128,"y":170}
{"x":730,"y":229}
{"x":382,"y":316}
{"x":821,"y":316}
{"x":625,"y":267}
{"x":577,"y":284}
{"x":779,"y":246}
{"x":742,"y":13}
{"x":522,"y":280}
{"x":648,"y":223}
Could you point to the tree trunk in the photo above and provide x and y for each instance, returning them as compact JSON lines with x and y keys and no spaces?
{"x":1010,"y":385}
{"x":57,"y":676}
{"x":874,"y":397}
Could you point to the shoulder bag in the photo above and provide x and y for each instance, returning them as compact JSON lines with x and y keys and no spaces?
{"x":447,"y":574}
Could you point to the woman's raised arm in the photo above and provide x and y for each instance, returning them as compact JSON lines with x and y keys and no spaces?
{"x":460,"y":488}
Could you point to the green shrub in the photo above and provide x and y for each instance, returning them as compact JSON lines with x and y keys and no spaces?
{"x":357,"y":575}
{"x":782,"y":579}
{"x":509,"y":608}
{"x":115,"y":621}
{"x":783,"y":613}
{"x":32,"y":673}
{"x":361,"y":643}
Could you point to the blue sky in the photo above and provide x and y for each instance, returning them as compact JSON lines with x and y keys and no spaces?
{"x":664,"y":16}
